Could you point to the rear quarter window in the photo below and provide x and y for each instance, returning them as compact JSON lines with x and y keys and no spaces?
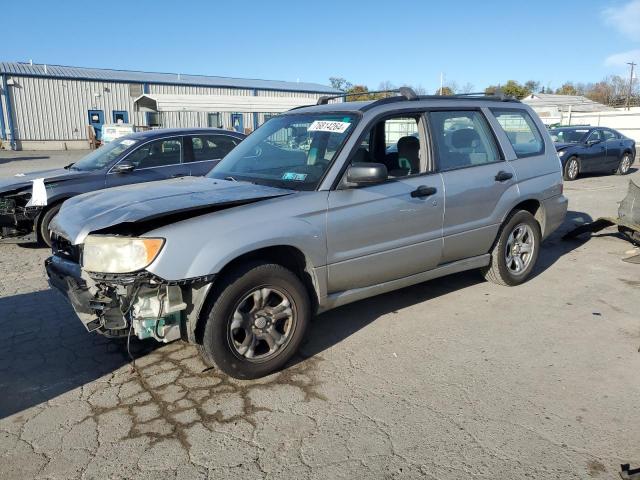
{"x":521,"y":130}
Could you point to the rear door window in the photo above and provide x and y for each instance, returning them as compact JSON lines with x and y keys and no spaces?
{"x":524,"y":136}
{"x":462,"y":139}
{"x":212,"y":147}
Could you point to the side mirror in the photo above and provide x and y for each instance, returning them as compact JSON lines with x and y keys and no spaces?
{"x":366,"y":173}
{"x":124,"y":167}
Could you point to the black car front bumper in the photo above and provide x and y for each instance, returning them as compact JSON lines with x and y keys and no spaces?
{"x":65,"y":276}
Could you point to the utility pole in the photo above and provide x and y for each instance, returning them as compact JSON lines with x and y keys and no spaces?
{"x":441,"y":82}
{"x":630,"y":84}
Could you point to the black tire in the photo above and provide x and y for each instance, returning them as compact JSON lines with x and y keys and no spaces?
{"x":216,"y":347}
{"x":44,"y":237}
{"x":569,"y":173}
{"x":625,"y":164}
{"x":498,"y":271}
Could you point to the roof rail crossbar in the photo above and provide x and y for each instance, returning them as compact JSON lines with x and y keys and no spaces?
{"x":405,"y":93}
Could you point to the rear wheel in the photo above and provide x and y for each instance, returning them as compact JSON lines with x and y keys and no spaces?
{"x":44,"y":237}
{"x":515,"y":253}
{"x":625,"y":164}
{"x":257,"y":321}
{"x":571,"y":169}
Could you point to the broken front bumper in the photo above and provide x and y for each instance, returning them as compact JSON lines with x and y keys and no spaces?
{"x":119,"y":305}
{"x":66,"y":277}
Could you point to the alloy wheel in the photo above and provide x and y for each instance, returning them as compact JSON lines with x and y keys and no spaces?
{"x":519,"y":249}
{"x":262,"y":324}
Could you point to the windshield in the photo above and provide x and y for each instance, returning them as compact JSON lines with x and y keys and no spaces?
{"x":568,"y":135}
{"x":104,"y":155}
{"x":289,"y":151}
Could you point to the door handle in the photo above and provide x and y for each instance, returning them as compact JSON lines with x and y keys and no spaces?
{"x":423,"y":191}
{"x":503,"y":176}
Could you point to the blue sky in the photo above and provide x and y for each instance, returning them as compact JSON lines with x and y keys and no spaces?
{"x":366,"y":42}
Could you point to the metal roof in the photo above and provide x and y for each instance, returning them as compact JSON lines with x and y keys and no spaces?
{"x":99,"y":74}
{"x":578,"y":103}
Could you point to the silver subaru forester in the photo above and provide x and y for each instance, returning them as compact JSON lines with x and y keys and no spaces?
{"x":319,"y":207}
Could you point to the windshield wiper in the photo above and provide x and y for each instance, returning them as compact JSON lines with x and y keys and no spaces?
{"x":70,"y":167}
{"x":230,"y":178}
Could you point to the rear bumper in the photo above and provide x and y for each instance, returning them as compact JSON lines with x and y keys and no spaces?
{"x":65,"y":276}
{"x":555,"y":210}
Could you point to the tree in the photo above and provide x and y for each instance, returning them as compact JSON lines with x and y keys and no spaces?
{"x":532,"y":86}
{"x":358,"y":92}
{"x":511,"y":89}
{"x":567,"y":89}
{"x":467,"y":88}
{"x":444,"y":91}
{"x":340,"y":83}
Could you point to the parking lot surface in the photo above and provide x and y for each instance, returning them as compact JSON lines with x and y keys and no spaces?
{"x":454,"y":378}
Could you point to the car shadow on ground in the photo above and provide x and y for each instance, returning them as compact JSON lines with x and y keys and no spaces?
{"x":605,"y":174}
{"x":334,"y":326}
{"x":18,"y":159}
{"x":45,"y":351}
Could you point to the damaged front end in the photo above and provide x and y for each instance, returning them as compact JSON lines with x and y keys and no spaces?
{"x":17,"y":217}
{"x":118,"y":305}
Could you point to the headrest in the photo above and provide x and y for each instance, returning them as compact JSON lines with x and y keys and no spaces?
{"x":464,"y":138}
{"x":408,"y":142}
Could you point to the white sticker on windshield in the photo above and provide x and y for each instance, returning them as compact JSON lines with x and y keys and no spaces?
{"x":328,"y":126}
{"x":38,"y":194}
{"x":127,"y":143}
{"x":19,"y":174}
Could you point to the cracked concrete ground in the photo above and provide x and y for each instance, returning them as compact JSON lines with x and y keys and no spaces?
{"x":454,"y":378}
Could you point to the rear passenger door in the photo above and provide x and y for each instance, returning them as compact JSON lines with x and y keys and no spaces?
{"x":205,"y":151}
{"x":155,"y":160}
{"x":614,"y":148}
{"x":477,"y":181}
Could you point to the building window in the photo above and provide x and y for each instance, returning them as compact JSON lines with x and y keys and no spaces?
{"x":213,"y":120}
{"x":153,"y":119}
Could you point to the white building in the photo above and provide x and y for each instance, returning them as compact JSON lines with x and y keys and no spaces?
{"x":556,"y":108}
{"x":51,"y":106}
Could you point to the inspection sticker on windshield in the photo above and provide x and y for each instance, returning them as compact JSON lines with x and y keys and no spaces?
{"x":295,"y":177}
{"x":328,"y":126}
{"x":127,"y":143}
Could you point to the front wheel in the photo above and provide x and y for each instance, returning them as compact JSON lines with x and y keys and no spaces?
{"x":44,"y":236}
{"x":515,"y":253}
{"x":257,"y":321}
{"x":625,"y":164}
{"x":571,"y":169}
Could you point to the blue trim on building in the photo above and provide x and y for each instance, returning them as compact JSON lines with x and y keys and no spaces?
{"x":3,"y":135}
{"x":255,"y":114}
{"x":7,"y":95}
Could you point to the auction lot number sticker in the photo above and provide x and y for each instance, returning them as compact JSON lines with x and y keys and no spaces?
{"x":328,"y":126}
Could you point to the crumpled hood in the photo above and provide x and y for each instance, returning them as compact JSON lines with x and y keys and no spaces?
{"x":19,"y":181}
{"x":93,"y":211}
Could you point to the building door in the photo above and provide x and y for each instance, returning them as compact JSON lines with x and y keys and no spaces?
{"x":96,"y":120}
{"x":237,"y":122}
{"x":120,"y":116}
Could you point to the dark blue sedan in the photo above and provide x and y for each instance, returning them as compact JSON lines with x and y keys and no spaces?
{"x":593,"y":149}
{"x":29,"y":201}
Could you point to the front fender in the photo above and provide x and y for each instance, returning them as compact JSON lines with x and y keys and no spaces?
{"x":204,"y":245}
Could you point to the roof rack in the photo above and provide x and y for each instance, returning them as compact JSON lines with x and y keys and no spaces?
{"x":405,"y":93}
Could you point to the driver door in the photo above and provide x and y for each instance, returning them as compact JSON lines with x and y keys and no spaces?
{"x":155,"y":160}
{"x":389,"y":230}
{"x":594,"y":156}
